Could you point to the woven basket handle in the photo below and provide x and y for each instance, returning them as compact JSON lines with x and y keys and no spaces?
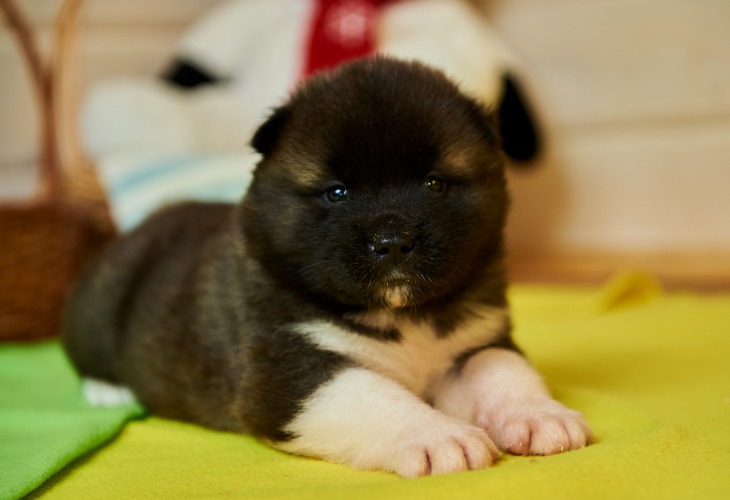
{"x":65,"y":83}
{"x":55,"y":90}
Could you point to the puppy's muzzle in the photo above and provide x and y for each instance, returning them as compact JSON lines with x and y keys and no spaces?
{"x":391,"y":247}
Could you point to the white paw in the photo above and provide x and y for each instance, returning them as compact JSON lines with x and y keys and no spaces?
{"x":442,"y":447}
{"x":370,"y":422}
{"x":104,"y":394}
{"x":536,"y":427}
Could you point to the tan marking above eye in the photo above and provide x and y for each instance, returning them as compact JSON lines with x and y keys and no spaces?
{"x":460,"y":160}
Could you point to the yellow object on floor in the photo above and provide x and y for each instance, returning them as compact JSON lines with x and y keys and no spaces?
{"x":649,"y":370}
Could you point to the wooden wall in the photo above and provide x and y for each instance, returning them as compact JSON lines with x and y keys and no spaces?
{"x":634,"y":96}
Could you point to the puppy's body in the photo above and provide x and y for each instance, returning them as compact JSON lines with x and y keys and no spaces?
{"x":352,"y":307}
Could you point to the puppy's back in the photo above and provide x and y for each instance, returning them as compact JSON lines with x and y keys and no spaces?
{"x":151,"y":261}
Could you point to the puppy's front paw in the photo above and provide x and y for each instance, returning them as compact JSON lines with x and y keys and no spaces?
{"x":536,"y":427}
{"x":441,"y":447}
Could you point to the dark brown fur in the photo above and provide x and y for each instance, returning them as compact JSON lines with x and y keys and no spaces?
{"x":194,"y":309}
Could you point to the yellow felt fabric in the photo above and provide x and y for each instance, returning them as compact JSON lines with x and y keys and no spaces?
{"x":649,"y":370}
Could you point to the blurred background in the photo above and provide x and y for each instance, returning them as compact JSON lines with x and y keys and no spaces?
{"x":632,"y":96}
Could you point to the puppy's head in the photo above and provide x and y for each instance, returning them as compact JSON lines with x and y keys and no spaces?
{"x":381,"y":185}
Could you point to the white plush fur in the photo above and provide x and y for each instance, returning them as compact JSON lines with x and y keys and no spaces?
{"x":449,"y":35}
{"x":258,"y":46}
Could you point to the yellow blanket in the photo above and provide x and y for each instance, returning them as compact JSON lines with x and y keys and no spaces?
{"x":650,"y":371}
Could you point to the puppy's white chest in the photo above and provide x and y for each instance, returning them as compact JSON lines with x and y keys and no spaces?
{"x":419,"y":358}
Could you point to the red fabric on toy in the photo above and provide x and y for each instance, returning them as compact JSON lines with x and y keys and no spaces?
{"x":340,"y":30}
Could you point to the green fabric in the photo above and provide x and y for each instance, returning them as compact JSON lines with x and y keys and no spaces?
{"x":650,"y":372}
{"x":44,"y":421}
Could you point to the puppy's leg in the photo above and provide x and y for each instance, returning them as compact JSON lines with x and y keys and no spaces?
{"x":368,"y":421}
{"x":500,"y":392}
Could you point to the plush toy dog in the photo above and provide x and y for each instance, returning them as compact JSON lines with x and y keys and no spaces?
{"x":244,"y":57}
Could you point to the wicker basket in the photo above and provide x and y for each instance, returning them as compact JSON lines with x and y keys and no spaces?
{"x":45,"y":241}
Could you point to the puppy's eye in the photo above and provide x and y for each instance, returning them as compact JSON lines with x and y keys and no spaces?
{"x":336,"y":194}
{"x":435,"y":184}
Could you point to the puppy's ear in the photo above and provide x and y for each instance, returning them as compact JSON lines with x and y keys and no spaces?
{"x":267,"y":136}
{"x":487,"y":120}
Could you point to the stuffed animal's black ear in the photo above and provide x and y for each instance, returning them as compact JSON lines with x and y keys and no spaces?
{"x":267,"y":136}
{"x":520,"y":137}
{"x":187,"y":74}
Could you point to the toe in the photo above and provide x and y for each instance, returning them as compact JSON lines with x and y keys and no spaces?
{"x":515,"y":437}
{"x":578,"y":432}
{"x":448,"y":458}
{"x":548,"y":437}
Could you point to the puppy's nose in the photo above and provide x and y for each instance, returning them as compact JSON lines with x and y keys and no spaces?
{"x":392,"y":247}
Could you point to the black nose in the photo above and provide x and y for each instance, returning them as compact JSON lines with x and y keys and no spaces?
{"x":392,"y":247}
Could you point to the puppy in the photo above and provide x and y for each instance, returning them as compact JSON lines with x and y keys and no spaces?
{"x":352,"y":307}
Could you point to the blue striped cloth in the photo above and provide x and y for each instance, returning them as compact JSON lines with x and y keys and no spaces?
{"x":138,"y":184}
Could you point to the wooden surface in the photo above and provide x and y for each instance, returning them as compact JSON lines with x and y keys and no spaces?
{"x":707,"y":273}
